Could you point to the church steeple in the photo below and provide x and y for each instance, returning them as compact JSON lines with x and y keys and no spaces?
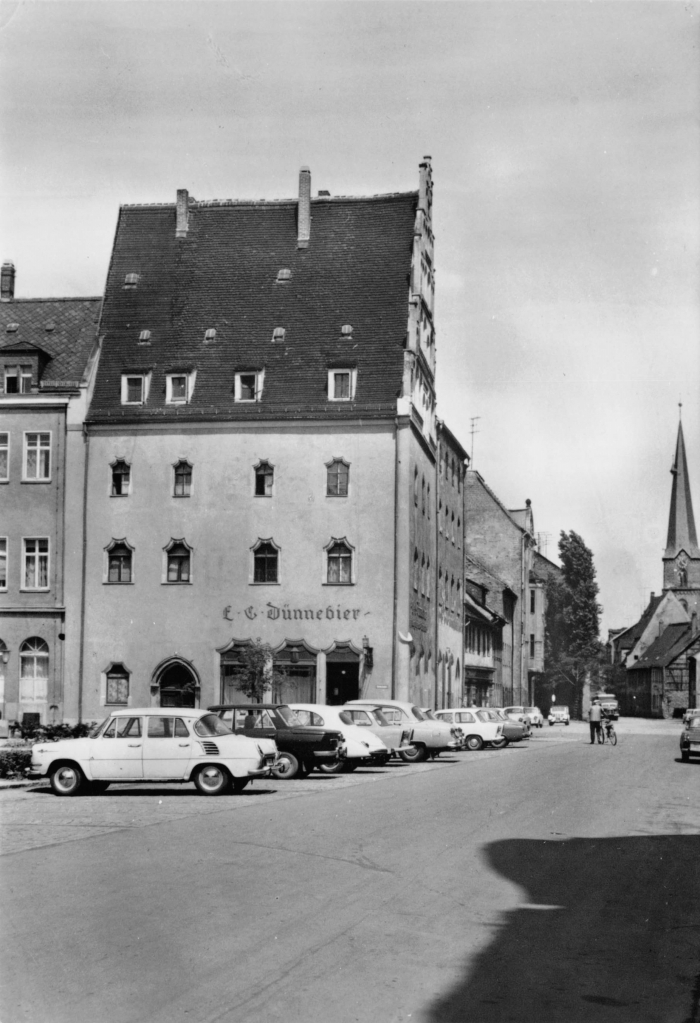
{"x":681,"y":524}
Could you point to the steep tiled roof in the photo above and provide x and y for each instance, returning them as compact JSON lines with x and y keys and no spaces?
{"x":65,"y":329}
{"x":630,"y":636}
{"x":664,"y":650}
{"x":223,"y":275}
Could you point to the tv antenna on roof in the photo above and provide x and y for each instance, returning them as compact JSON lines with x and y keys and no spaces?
{"x":474,"y":420}
{"x":542,"y":542}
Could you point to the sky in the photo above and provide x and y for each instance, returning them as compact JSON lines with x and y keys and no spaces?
{"x":565,"y":145}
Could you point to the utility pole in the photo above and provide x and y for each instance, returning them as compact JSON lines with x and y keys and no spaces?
{"x":474,"y":420}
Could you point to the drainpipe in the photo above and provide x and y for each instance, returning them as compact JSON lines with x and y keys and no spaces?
{"x":84,"y":575}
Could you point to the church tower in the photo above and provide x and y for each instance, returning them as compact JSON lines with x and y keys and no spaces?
{"x":682,"y":555}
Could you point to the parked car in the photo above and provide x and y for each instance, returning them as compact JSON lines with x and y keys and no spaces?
{"x":559,"y":715}
{"x":458,"y":731}
{"x":690,"y":738}
{"x":359,"y":747}
{"x":479,"y":728}
{"x":155,"y":744}
{"x":692,"y":712}
{"x":301,"y":747}
{"x":513,"y":731}
{"x":428,"y":738}
{"x":394,"y":736}
{"x":534,"y":716}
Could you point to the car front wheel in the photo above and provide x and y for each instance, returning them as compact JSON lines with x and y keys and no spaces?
{"x":212,"y":780}
{"x":474,"y":742}
{"x":414,"y":756}
{"x":287,"y":767}
{"x":66,"y":780}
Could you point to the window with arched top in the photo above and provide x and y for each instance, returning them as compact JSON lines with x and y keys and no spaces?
{"x":178,"y":562}
{"x":339,"y":564}
{"x":266,"y":562}
{"x":337,"y":478}
{"x":182,"y":479}
{"x":264,"y":478}
{"x":33,"y":670}
{"x":121,"y":478}
{"x":119,"y":562}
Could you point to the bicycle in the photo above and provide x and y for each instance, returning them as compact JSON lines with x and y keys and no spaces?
{"x":607,"y":732}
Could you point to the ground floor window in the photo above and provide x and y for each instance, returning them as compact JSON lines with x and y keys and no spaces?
{"x":34,"y":670}
{"x":117,"y":690}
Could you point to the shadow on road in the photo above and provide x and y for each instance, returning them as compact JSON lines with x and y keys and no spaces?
{"x":609,"y":930}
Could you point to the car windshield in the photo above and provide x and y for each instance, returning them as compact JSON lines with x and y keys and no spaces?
{"x":287,"y":715}
{"x":418,"y":714}
{"x":96,"y":729}
{"x":694,"y":723}
{"x":531,"y":710}
{"x":211,"y":724}
{"x":486,"y":715}
{"x":561,"y":710}
{"x":428,"y":714}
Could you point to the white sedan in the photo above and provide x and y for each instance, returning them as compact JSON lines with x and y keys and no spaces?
{"x":155,"y":744}
{"x":360,"y":746}
{"x":479,"y":728}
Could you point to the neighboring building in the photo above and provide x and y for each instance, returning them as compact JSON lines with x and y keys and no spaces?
{"x":505,"y":542}
{"x":659,"y":651}
{"x":48,"y":355}
{"x":488,"y":636}
{"x":263,"y":455}
{"x":663,"y":683}
{"x":450,"y":595}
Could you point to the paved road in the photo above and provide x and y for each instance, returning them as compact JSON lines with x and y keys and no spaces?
{"x":553,"y":881}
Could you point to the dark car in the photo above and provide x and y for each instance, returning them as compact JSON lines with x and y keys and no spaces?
{"x":301,"y":747}
{"x":690,"y":738}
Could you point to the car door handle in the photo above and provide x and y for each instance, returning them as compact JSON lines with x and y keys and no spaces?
{"x":134,"y":745}
{"x":186,"y":744}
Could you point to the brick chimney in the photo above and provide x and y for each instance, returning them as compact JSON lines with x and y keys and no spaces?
{"x":7,"y":282}
{"x":182,"y":213}
{"x":304,"y":214}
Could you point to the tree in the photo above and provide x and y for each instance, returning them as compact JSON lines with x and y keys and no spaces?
{"x":257,"y":674}
{"x":574,"y":654}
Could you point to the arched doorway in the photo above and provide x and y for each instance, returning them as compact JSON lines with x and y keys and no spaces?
{"x":342,"y":674}
{"x":178,"y":685}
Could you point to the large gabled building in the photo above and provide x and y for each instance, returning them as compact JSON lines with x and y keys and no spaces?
{"x":263,"y":453}
{"x":48,"y":357}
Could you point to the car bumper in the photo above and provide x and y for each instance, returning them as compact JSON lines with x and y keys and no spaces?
{"x":33,"y":773}
{"x":326,"y":754}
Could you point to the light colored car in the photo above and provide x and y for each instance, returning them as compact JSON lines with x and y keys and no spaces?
{"x":690,"y":738}
{"x":359,"y":746}
{"x":394,"y":736}
{"x":692,"y":712}
{"x":533,"y":715}
{"x":559,"y":715}
{"x":428,"y":738}
{"x":154,"y":744}
{"x":479,"y":728}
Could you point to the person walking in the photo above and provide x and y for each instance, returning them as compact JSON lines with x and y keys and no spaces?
{"x":595,"y":716}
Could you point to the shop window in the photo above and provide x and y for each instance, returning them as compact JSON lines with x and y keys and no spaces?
{"x":339,"y":564}
{"x":37,"y":456}
{"x":35,"y":570}
{"x":121,"y":478}
{"x":117,"y":686}
{"x":182,"y":486}
{"x":264,"y":477}
{"x":119,"y":566}
{"x":33,"y":670}
{"x":265,"y":563}
{"x":337,"y":478}
{"x":178,"y":562}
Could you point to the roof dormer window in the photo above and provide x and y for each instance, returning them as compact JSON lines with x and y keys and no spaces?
{"x":18,"y":379}
{"x":179,"y":387}
{"x":12,"y":328}
{"x":135,"y":387}
{"x":249,"y":385}
{"x":278,"y":334}
{"x":145,"y":337}
{"x":341,"y":384}
{"x":130,"y":281}
{"x":209,"y":335}
{"x":284,"y":275}
{"x":346,"y":330}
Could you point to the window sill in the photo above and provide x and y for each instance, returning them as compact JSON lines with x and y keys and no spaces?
{"x":179,"y":496}
{"x":336,"y":496}
{"x":338,"y":584}
{"x":35,"y":589}
{"x":254,"y":583}
{"x":119,"y":495}
{"x":32,"y":482}
{"x":179,"y":583}
{"x":106,"y":582}
{"x":268,"y":496}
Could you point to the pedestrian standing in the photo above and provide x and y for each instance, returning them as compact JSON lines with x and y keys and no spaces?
{"x":595,"y":715}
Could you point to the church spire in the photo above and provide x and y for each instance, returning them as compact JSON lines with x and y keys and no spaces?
{"x":681,"y":524}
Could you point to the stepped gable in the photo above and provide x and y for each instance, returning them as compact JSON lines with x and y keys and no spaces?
{"x":64,"y":329}
{"x":681,"y":522}
{"x":223,"y":274}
